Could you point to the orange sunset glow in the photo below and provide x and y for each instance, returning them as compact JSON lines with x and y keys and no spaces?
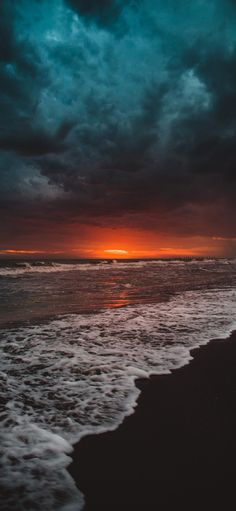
{"x":117,"y":254}
{"x":124,"y":244}
{"x":116,"y":251}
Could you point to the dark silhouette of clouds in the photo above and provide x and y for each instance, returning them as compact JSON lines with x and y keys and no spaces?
{"x":113,"y":108}
{"x":104,"y":13}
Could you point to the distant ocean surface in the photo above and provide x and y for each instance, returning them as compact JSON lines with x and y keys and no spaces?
{"x":74,"y":336}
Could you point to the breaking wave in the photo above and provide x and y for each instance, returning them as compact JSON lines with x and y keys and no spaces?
{"x":75,"y":375}
{"x":23,"y":268}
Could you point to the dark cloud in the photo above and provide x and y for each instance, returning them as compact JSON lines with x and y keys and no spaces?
{"x":113,"y":109}
{"x":30,"y":141}
{"x":104,"y":12}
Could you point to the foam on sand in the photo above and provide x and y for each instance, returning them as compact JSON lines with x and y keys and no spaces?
{"x":75,"y":375}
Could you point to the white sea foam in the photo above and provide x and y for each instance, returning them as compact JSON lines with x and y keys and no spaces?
{"x":25,"y":268}
{"x":75,"y":375}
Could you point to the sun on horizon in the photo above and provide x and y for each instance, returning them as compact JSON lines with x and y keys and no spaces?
{"x":116,"y":251}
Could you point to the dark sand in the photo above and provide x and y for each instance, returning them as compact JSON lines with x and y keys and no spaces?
{"x":178,"y":450}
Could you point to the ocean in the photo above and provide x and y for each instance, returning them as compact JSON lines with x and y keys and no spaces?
{"x":74,"y":337}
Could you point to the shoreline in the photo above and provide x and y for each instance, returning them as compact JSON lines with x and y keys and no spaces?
{"x":179,"y":442}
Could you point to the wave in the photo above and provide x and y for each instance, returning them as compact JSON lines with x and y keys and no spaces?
{"x":75,"y":375}
{"x":24,"y":267}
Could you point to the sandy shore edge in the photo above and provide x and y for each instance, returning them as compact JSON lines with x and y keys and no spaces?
{"x":181,"y":440}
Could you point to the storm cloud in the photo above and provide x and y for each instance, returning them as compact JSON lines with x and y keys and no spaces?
{"x":114,"y":110}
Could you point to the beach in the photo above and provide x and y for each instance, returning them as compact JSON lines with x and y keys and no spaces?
{"x":117,"y":255}
{"x":177,"y":449}
{"x":110,"y":364}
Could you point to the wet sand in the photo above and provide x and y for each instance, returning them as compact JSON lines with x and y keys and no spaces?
{"x":178,"y":450}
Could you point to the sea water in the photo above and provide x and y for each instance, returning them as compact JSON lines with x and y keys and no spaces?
{"x":74,"y":337}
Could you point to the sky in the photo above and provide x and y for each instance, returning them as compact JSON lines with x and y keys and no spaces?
{"x":117,"y":127}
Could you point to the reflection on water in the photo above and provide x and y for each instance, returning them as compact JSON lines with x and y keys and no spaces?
{"x":119,"y":300}
{"x":82,"y":291}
